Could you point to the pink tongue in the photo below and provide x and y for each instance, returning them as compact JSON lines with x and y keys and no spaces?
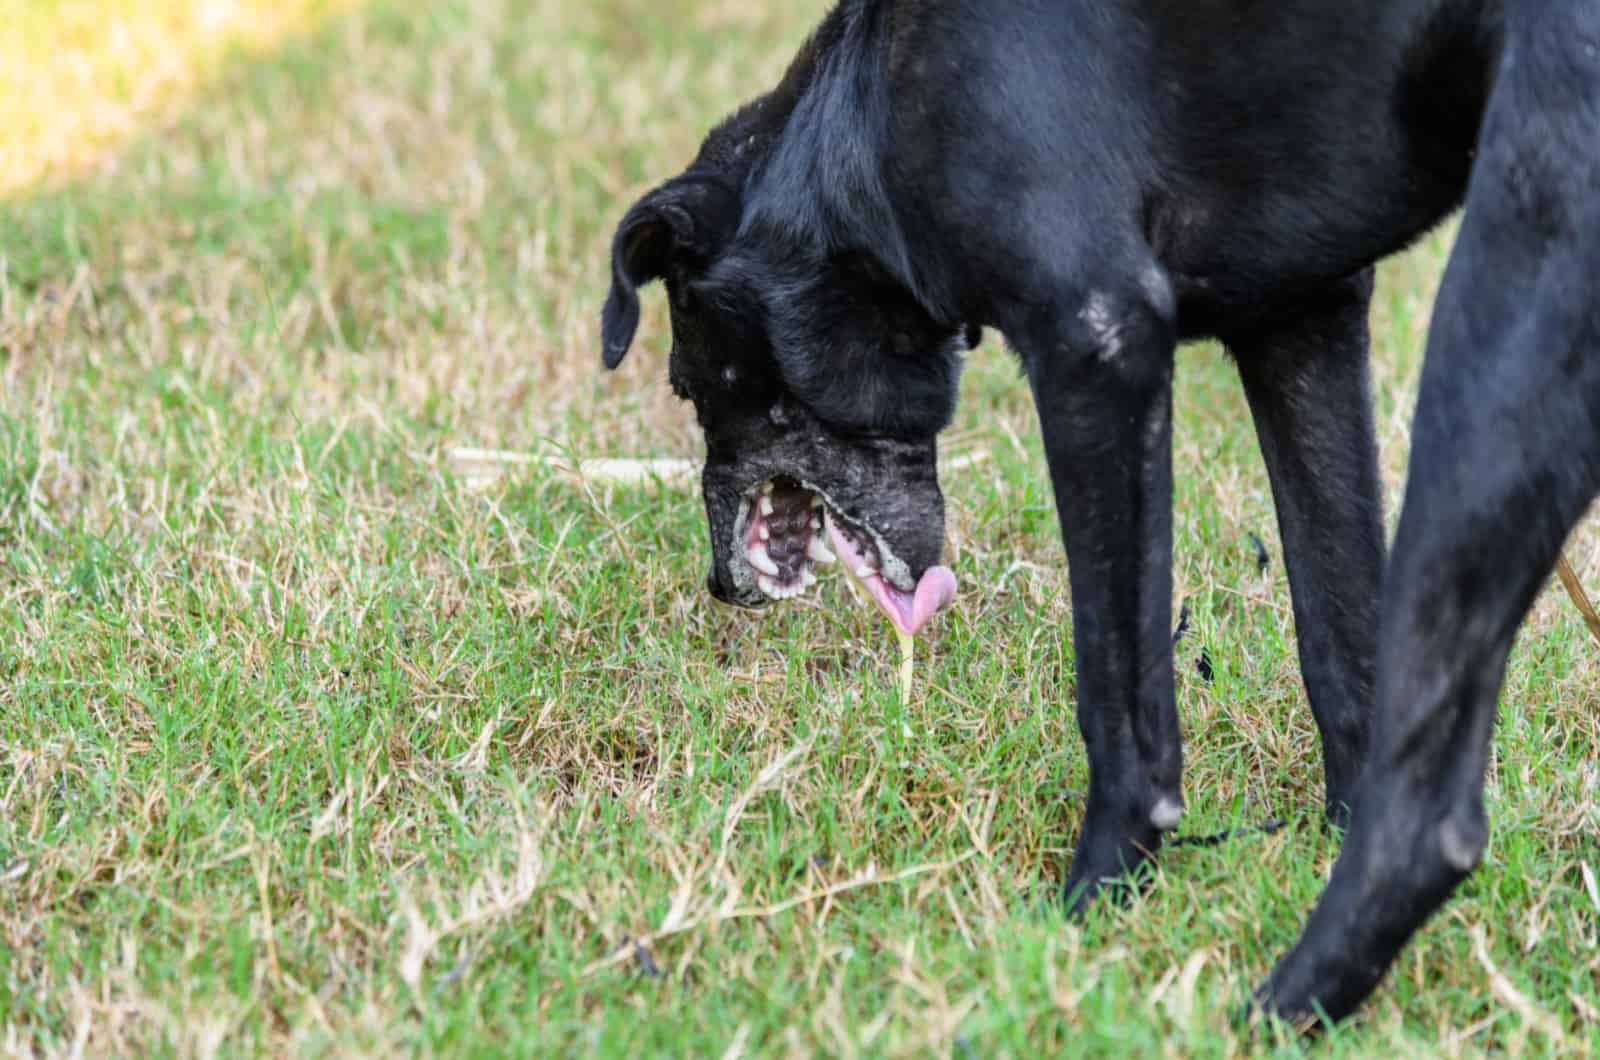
{"x":908,"y":611}
{"x":935,"y":591}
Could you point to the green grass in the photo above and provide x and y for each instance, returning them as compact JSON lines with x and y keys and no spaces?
{"x":310,"y":746}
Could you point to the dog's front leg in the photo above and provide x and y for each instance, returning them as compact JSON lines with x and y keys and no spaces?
{"x":1505,"y":458}
{"x":1100,"y":365}
{"x":1307,"y":380}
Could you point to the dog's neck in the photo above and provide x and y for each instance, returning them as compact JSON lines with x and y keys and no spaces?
{"x":808,"y":156}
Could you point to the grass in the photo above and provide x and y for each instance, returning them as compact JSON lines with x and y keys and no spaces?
{"x":310,"y":746}
{"x":90,"y":71}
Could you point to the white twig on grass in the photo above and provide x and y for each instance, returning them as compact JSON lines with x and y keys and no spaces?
{"x":480,"y":467}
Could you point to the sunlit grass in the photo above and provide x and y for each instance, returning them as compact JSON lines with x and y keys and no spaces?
{"x":78,"y":78}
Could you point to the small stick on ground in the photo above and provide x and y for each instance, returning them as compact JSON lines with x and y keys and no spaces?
{"x":480,"y":467}
{"x":1574,"y":587}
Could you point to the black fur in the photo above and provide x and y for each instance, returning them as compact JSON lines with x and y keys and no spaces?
{"x":1099,"y":181}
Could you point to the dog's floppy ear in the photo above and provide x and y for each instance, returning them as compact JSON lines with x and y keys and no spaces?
{"x":682,"y":223}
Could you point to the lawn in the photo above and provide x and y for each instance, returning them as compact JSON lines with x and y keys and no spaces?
{"x":313,"y":744}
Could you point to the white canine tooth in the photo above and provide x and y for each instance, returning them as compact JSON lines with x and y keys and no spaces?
{"x":766,"y":506}
{"x":807,"y":578}
{"x":766,"y":487}
{"x":820,"y":552}
{"x":764,"y":532}
{"x":866,"y":570}
{"x":816,"y":501}
{"x":761,"y":561}
{"x":770,"y":587}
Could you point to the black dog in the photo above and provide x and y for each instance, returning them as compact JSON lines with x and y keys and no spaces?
{"x":1099,"y":181}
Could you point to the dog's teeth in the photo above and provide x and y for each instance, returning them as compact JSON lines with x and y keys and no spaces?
{"x":767,"y":507}
{"x":866,"y":570}
{"x":764,"y":532}
{"x":808,"y":578}
{"x":770,"y":587}
{"x":816,"y":501}
{"x":766,"y":487}
{"x":761,"y":561}
{"x":820,"y":552}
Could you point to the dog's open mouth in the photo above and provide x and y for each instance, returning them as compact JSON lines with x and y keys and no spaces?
{"x":789,"y":529}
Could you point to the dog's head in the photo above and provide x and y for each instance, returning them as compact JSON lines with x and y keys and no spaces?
{"x":820,"y":384}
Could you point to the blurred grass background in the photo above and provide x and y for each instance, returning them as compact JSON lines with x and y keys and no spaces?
{"x":308,"y":746}
{"x":84,"y":77}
